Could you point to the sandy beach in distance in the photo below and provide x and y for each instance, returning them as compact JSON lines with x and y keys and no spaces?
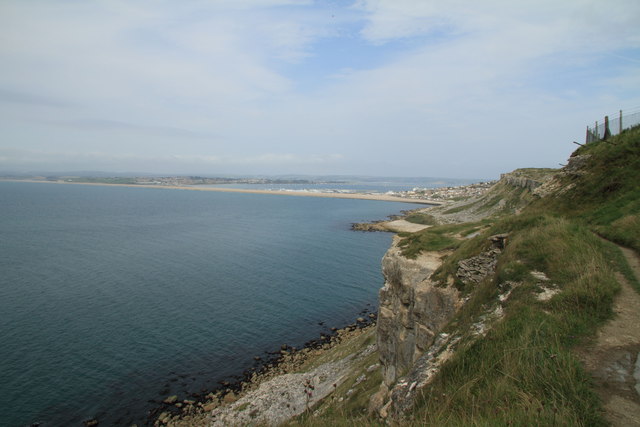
{"x":359,"y":196}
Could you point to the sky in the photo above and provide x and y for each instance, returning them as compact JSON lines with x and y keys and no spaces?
{"x":447,"y":88}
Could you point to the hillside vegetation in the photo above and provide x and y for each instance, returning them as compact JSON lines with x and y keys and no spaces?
{"x":553,"y":287}
{"x":512,"y":288}
{"x":604,"y":193}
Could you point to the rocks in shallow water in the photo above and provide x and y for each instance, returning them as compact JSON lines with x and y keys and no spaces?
{"x":365,"y":226}
{"x":171,"y":400}
{"x":90,"y":423}
{"x":210,"y":406}
{"x":284,"y":361}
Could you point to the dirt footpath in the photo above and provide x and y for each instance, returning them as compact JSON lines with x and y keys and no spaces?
{"x":613,"y":358}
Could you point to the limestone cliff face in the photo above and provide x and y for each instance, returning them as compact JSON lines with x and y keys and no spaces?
{"x":412,"y":310}
{"x":516,"y":180}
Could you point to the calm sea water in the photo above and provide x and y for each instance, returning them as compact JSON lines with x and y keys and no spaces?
{"x":381,"y":186}
{"x":114,"y":296}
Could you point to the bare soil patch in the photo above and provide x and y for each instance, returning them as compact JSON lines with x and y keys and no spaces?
{"x":401,"y":225}
{"x":612,"y":358}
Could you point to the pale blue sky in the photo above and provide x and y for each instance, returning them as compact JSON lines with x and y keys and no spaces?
{"x":460,"y":89}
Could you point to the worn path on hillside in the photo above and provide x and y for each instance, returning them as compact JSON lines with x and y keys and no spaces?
{"x":613,"y":357}
{"x":404,"y":226}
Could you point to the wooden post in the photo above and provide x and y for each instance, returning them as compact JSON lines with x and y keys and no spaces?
{"x":597,"y":133}
{"x":587,"y":139}
{"x":607,"y":132}
{"x":620,"y":124}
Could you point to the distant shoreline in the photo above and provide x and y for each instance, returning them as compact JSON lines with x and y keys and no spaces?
{"x":358,"y":196}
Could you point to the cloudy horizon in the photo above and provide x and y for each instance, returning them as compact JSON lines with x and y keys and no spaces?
{"x":455,"y":89}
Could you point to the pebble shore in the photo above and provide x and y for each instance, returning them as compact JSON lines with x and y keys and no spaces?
{"x":196,"y":410}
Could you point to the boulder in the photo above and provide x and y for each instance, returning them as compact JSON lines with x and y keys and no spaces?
{"x":229,"y":397}
{"x":171,"y":400}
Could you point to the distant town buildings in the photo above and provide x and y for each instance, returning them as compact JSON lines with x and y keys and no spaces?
{"x":445,"y":193}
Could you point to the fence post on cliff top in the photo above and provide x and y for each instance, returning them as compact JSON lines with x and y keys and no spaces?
{"x":607,"y":132}
{"x":597,"y":133}
{"x":586,"y":138}
{"x":620,"y":124}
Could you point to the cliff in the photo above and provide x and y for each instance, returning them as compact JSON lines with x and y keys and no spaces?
{"x":490,"y":314}
{"x":477,"y":334}
{"x":412,"y":309}
{"x":529,"y":178}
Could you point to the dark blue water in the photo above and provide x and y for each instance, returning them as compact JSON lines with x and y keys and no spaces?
{"x":112,"y":296}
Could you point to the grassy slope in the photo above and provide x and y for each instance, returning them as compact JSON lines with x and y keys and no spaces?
{"x":608,"y":197}
{"x":524,"y":371}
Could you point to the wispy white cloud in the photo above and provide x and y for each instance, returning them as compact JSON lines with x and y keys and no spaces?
{"x":450,"y":88}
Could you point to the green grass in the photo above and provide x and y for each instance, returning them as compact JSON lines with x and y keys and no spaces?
{"x":523,"y":372}
{"x":538,"y":174}
{"x":437,"y":238}
{"x":461,"y":208}
{"x":413,"y":244}
{"x":607,"y":195}
{"x":421,"y":218}
{"x":502,"y":199}
{"x":519,"y":375}
{"x":619,"y":263}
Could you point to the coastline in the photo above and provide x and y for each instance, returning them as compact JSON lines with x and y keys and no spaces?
{"x":358,"y":196}
{"x":197,"y":408}
{"x":160,"y":396}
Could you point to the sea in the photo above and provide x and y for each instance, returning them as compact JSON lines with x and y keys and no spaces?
{"x":113,"y":298}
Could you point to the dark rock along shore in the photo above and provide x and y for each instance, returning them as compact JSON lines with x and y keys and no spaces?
{"x":277,"y":362}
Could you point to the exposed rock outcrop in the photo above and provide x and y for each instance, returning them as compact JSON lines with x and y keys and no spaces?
{"x":576,"y":166}
{"x":520,"y":181}
{"x":412,"y":310}
{"x":475,"y":269}
{"x":285,"y":396}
